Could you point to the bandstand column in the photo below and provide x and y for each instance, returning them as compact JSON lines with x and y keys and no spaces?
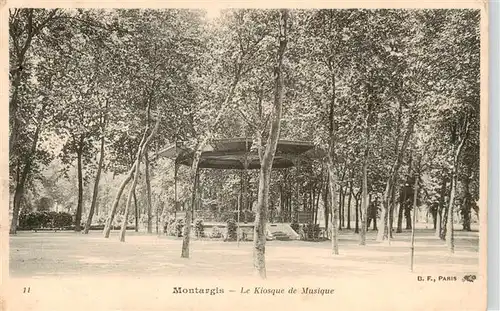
{"x":243,"y":197}
{"x":197,"y":195}
{"x":176,"y":169}
{"x":295,"y":212}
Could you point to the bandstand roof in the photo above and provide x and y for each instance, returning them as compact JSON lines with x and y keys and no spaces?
{"x":231,"y":153}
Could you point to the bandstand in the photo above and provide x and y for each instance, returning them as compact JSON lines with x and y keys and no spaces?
{"x":238,"y":154}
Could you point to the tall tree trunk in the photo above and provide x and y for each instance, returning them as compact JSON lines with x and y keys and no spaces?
{"x":363,"y":217}
{"x":330,"y":161}
{"x":96,"y":212}
{"x":149,"y":204}
{"x":391,"y":211}
{"x":144,"y":142}
{"x":467,"y":202}
{"x":435,"y":210}
{"x":260,"y":223}
{"x":93,"y":205}
{"x":406,"y":208}
{"x":341,"y":208}
{"x":157,"y":218}
{"x":402,"y":200}
{"x":131,"y":192}
{"x":310,"y":204}
{"x":140,"y":152}
{"x":439,"y":214}
{"x":408,"y":216}
{"x":356,"y":228}
{"x":197,"y":154}
{"x":334,"y":207}
{"x":386,"y":199}
{"x":164,"y":213}
{"x":16,"y":75}
{"x":148,"y":192}
{"x":79,"y":207}
{"x":188,"y":220}
{"x":326,"y":203}
{"x":136,"y":212}
{"x":444,"y":217}
{"x":22,"y":43}
{"x":349,"y":206}
{"x":394,"y":188}
{"x":266,"y":159}
{"x":454,"y":178}
{"x":316,"y":208}
{"x":112,"y":212}
{"x":415,"y":195}
{"x":450,"y":243}
{"x":22,"y":179}
{"x":13,"y":106}
{"x":403,"y":206}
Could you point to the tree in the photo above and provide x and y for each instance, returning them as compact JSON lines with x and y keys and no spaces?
{"x":32,"y":106}
{"x":142,"y":147}
{"x":456,"y":89}
{"x":24,"y":26}
{"x":98,"y":174}
{"x":267,"y":155}
{"x":219,"y":84}
{"x":153,"y":79}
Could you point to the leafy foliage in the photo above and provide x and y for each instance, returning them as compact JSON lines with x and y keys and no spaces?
{"x":232,"y":230}
{"x":45,"y":219}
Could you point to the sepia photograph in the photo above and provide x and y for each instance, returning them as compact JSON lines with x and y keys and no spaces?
{"x":300,"y":157}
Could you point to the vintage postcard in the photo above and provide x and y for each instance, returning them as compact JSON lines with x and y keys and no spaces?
{"x":244,"y":155}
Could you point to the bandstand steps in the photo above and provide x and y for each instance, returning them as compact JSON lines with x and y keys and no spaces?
{"x":282,"y":231}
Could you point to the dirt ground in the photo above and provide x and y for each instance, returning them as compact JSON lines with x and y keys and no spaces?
{"x":69,"y":253}
{"x":62,"y":261}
